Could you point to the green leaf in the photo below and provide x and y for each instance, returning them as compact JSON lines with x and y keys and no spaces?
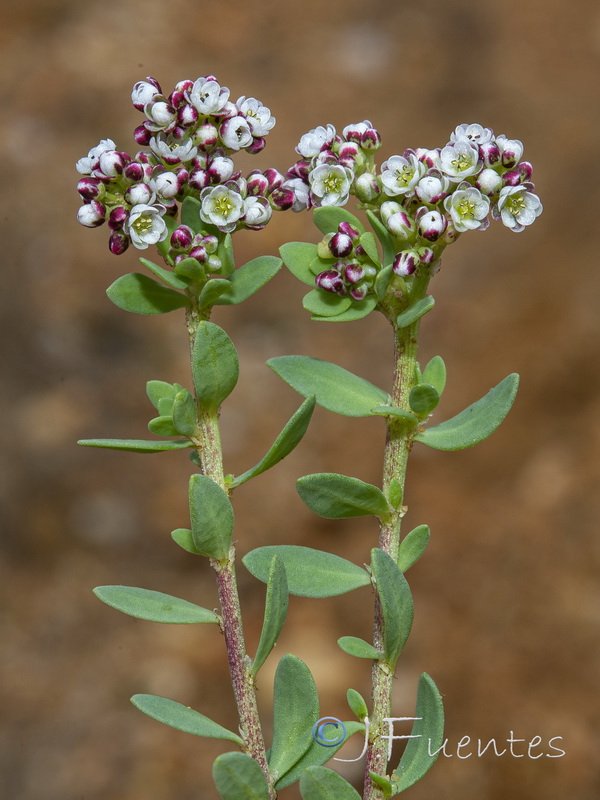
{"x":249,"y":278}
{"x":382,"y":281}
{"x":416,"y":761}
{"x":190,"y":214}
{"x":325,"y":304}
{"x":396,"y":603}
{"x":476,"y":422}
{"x":211,"y":515}
{"x":369,"y":244}
{"x":321,"y":783}
{"x":387,"y":243}
{"x":153,"y":606}
{"x":310,"y":573}
{"x":162,"y":426}
{"x":336,"y":496}
{"x":413,"y":546}
{"x":358,"y":647}
{"x":184,"y":413}
{"x":161,"y":390}
{"x":395,"y":493}
{"x":435,"y":374}
{"x":183,"y":537}
{"x":415,"y":312}
{"x":295,"y":711}
{"x":288,"y":439}
{"x":423,"y":398}
{"x":397,"y":413}
{"x":191,"y":269}
{"x":328,"y":218}
{"x":212,"y":290}
{"x":164,"y":246}
{"x":297,"y":256}
{"x":335,"y":388}
{"x":238,"y":776}
{"x":276,"y":606}
{"x":225,"y":253}
{"x":136,"y":445}
{"x":357,"y":310}
{"x":357,"y":704}
{"x":166,"y":275}
{"x":382,"y":783}
{"x":141,"y":295}
{"x":316,"y":755}
{"x":182,"y":718}
{"x":215,"y":365}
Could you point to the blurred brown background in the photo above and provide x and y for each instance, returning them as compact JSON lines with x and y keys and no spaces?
{"x":507,"y":597}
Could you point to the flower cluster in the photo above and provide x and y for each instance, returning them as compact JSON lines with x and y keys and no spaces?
{"x":424,"y":198}
{"x":190,"y":137}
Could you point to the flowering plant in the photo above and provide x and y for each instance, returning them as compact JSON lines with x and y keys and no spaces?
{"x":185,"y":196}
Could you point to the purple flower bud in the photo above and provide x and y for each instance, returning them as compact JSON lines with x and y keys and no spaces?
{"x":206,"y":136}
{"x":112,"y":163}
{"x":143,"y":92}
{"x":371,"y":139}
{"x":257,"y":183}
{"x":359,"y":292}
{"x":428,"y":157}
{"x":282,"y":199}
{"x":90,"y":188}
{"x":187,"y":115}
{"x":512,"y":178}
{"x":182,"y":237}
{"x":301,"y":169}
{"x":139,"y":194}
{"x":199,"y":179}
{"x":160,"y":113}
{"x":199,"y":253}
{"x":210,"y":242}
{"x":220,"y":169}
{"x":274,"y":177}
{"x":346,"y":227}
{"x":331,"y":281}
{"x":349,"y":150}
{"x":353,"y":272}
{"x":450,"y":234}
{"x":426,"y":255}
{"x":118,"y":243}
{"x":257,"y":145}
{"x":490,"y":153}
{"x":117,"y":218}
{"x":401,"y":225}
{"x":366,"y":187}
{"x":341,"y":245}
{"x":432,"y":225}
{"x":406,"y":262}
{"x":91,"y":214}
{"x":134,"y":172}
{"x":142,"y":135}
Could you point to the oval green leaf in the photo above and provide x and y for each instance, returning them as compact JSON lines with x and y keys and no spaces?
{"x":238,"y":776}
{"x":190,"y":214}
{"x":183,"y":537}
{"x":382,"y":233}
{"x":139,"y":294}
{"x":159,"y":391}
{"x":297,"y":257}
{"x":184,"y":413}
{"x":435,"y":373}
{"x":182,"y":718}
{"x":382,"y":281}
{"x":153,"y":606}
{"x":396,"y":604}
{"x":335,"y":388}
{"x":358,"y":648}
{"x":212,"y":290}
{"x":357,"y":704}
{"x":328,"y":218}
{"x":413,"y":546}
{"x":288,"y":439}
{"x":325,"y":304}
{"x":295,"y":711}
{"x":191,"y":269}
{"x":166,"y":275}
{"x":423,"y":399}
{"x":322,"y":783}
{"x":357,"y":310}
{"x":215,"y":365}
{"x":476,"y":422}
{"x":211,"y":515}
{"x":163,"y":426}
{"x":369,"y":244}
{"x":136,"y":445}
{"x":310,"y":573}
{"x":335,"y":496}
{"x":429,"y":728}
{"x":415,"y":312}
{"x":249,"y":278}
{"x":276,"y":606}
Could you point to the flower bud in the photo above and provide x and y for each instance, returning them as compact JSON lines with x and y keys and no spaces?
{"x":144,"y":92}
{"x":160,"y":113}
{"x":346,"y":227}
{"x":199,"y":253}
{"x":142,"y":135}
{"x":274,"y":177}
{"x":257,"y":183}
{"x":366,"y":187}
{"x":220,"y":169}
{"x":401,"y":225}
{"x":331,"y":281}
{"x":258,"y":144}
{"x":213,"y":263}
{"x":490,"y":153}
{"x":112,"y":163}
{"x":282,"y":199}
{"x":353,"y":272}
{"x":210,"y":242}
{"x":511,"y":150}
{"x":428,"y":157}
{"x":388,"y":208}
{"x":118,"y":243}
{"x":139,"y":193}
{"x":117,"y":218}
{"x":199,"y":179}
{"x":450,"y":234}
{"x":406,"y":262}
{"x":182,"y":237}
{"x":206,"y":136}
{"x":91,"y":214}
{"x":489,"y":182}
{"x":426,"y":255}
{"x":165,"y":184}
{"x":349,"y":150}
{"x":90,"y":188}
{"x":187,"y":115}
{"x":323,"y":250}
{"x":359,"y":292}
{"x":432,"y":225}
{"x":341,"y":245}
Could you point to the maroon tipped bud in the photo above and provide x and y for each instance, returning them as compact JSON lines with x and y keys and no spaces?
{"x":142,"y":135}
{"x":182,"y":237}
{"x":210,"y":242}
{"x":349,"y":150}
{"x":406,"y":262}
{"x":257,"y":183}
{"x":428,"y":157}
{"x":490,"y":153}
{"x":331,"y":281}
{"x":206,"y":136}
{"x":426,"y":255}
{"x":199,"y":179}
{"x":274,"y":177}
{"x":353,"y":273}
{"x":187,"y":115}
{"x":134,"y":172}
{"x":525,"y":169}
{"x":89,"y":188}
{"x":118,"y":243}
{"x":139,"y":193}
{"x":301,"y":169}
{"x":92,"y":214}
{"x":282,"y":199}
{"x":345,"y":227}
{"x":341,"y":245}
{"x":257,"y":145}
{"x":359,"y":292}
{"x":199,"y":253}
{"x":371,"y":139}
{"x":117,"y":218}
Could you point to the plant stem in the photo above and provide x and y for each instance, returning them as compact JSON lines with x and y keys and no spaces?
{"x":397,"y":449}
{"x":211,"y":457}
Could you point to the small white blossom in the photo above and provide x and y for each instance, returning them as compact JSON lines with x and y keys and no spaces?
{"x":315,"y":140}
{"x":140,"y":194}
{"x":432,"y":187}
{"x":171,"y":150}
{"x":489,"y":181}
{"x":208,"y":96}
{"x":235,"y":133}
{"x":221,"y":207}
{"x":330,"y":184}
{"x":146,"y":225}
{"x":257,"y":212}
{"x":160,"y":115}
{"x":476,"y":134}
{"x":258,"y":116}
{"x":143,"y":93}
{"x":518,"y":207}
{"x":511,"y":150}
{"x":400,"y":175}
{"x":85,"y":165}
{"x":459,"y":160}
{"x":300,"y":190}
{"x":165,"y":184}
{"x":468,"y":209}
{"x":91,"y":215}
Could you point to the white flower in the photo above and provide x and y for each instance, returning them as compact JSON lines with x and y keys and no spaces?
{"x":511,"y":150}
{"x":146,"y":225}
{"x":257,"y":212}
{"x":221,"y":207}
{"x":208,"y":96}
{"x":300,"y":190}
{"x":459,"y":160}
{"x":468,"y":209}
{"x":165,"y":184}
{"x":432,"y":187}
{"x":488,"y":181}
{"x":91,"y":214}
{"x":400,"y":175}
{"x":476,"y":134}
{"x":85,"y":165}
{"x":330,"y":184}
{"x":143,"y":92}
{"x":171,"y":150}
{"x":316,"y":140}
{"x":258,"y":116}
{"x":139,"y":194}
{"x":160,"y":115}
{"x":518,"y":207}
{"x":235,"y":133}
{"x":432,"y":224}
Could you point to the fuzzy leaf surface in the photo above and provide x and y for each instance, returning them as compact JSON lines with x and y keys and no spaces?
{"x":413,"y":546}
{"x":212,"y":290}
{"x":415,"y":312}
{"x":211,"y":515}
{"x":476,"y":422}
{"x":335,"y":388}
{"x":310,"y":573}
{"x":396,"y":603}
{"x":153,"y":606}
{"x":435,"y":373}
{"x":182,"y":718}
{"x":249,"y":278}
{"x":322,"y":783}
{"x":238,"y":776}
{"x":297,"y":257}
{"x":136,"y":445}
{"x":335,"y":496}
{"x":325,"y":304}
{"x":276,"y":606}
{"x":140,"y":294}
{"x":328,"y":218}
{"x":183,"y":537}
{"x":357,"y":310}
{"x":166,"y":275}
{"x":215,"y":365}
{"x":358,"y":648}
{"x":382,"y":233}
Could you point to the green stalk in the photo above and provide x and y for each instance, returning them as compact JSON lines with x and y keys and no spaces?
{"x":211,"y":458}
{"x":397,"y":449}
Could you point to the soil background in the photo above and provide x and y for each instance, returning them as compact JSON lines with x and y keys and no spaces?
{"x":508,"y":595}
